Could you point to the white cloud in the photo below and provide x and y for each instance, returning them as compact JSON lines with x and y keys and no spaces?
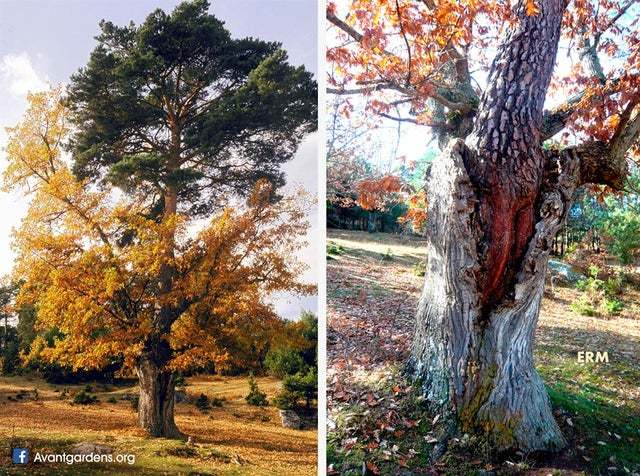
{"x":19,"y":77}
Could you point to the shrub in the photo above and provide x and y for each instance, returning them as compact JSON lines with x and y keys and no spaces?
{"x":599,"y":296}
{"x":84,"y":398}
{"x":624,"y":230}
{"x":570,"y":249}
{"x":112,"y":399}
{"x":612,"y":306}
{"x":614,"y":285}
{"x":582,"y":285}
{"x":301,"y":386}
{"x":283,"y":361}
{"x":388,"y":255}
{"x":334,"y":248}
{"x":285,"y":400}
{"x":202,"y":403}
{"x":420,"y":268}
{"x":583,"y":307}
{"x":256,"y":397}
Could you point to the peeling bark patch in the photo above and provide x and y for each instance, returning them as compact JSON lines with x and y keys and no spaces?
{"x":449,"y":306}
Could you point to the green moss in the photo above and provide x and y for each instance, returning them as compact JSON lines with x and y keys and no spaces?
{"x":469,"y":412}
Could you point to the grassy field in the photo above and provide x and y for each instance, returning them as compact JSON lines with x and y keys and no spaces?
{"x":234,"y":439}
{"x":378,"y":422}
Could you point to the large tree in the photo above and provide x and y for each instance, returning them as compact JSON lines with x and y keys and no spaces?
{"x":497,"y":194}
{"x":90,"y":263}
{"x":181,"y":115}
{"x":183,"y":119}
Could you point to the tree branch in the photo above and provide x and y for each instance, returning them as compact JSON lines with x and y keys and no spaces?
{"x":408,"y":90}
{"x":606,"y":163}
{"x":556,"y":120}
{"x":623,"y":9}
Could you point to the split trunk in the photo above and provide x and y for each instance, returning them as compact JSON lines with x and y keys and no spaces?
{"x":496,"y":201}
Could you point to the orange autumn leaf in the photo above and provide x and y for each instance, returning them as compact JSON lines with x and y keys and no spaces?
{"x":89,"y":260}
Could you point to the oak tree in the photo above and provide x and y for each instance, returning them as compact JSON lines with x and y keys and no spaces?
{"x":477,"y":74}
{"x":183,"y":120}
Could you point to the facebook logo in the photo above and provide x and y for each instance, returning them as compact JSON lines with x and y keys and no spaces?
{"x":20,"y":455}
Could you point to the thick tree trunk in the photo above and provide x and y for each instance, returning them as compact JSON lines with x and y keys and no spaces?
{"x":475,"y":366}
{"x":496,"y":202}
{"x":156,"y":404}
{"x":157,"y":385}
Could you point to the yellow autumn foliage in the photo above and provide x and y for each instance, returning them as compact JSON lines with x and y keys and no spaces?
{"x":90,"y":259}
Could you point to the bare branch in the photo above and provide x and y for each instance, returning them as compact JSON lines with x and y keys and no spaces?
{"x":623,"y":9}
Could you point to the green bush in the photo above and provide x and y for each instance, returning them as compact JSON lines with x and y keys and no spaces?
{"x":334,"y":248}
{"x":612,"y":306}
{"x":420,"y":268}
{"x":302,"y":386}
{"x":624,"y":230}
{"x":582,"y":285}
{"x":84,"y":398}
{"x":112,"y":399}
{"x":570,"y":249}
{"x":583,"y":306}
{"x":614,"y":285}
{"x":388,"y":255}
{"x":283,"y":361}
{"x":285,"y":400}
{"x":202,"y":403}
{"x":599,"y":297}
{"x":256,"y":397}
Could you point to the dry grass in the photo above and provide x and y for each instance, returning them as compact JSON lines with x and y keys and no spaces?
{"x":370,"y":317}
{"x":235,"y":439}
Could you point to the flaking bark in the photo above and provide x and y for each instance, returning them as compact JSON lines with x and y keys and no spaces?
{"x":477,"y":367}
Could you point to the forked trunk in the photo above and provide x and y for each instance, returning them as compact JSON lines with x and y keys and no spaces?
{"x":496,"y":201}
{"x":475,"y":364}
{"x":156,"y":404}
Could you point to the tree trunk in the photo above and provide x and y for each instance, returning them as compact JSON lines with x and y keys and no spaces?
{"x":496,"y":202}
{"x":156,"y":404}
{"x":475,"y":365}
{"x":371,"y":222}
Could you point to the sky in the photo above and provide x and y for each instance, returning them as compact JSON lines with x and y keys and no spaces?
{"x":43,"y":42}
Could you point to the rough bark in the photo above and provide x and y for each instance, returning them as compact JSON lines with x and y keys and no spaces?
{"x":476,"y":367}
{"x":156,"y":404}
{"x":496,"y":202}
